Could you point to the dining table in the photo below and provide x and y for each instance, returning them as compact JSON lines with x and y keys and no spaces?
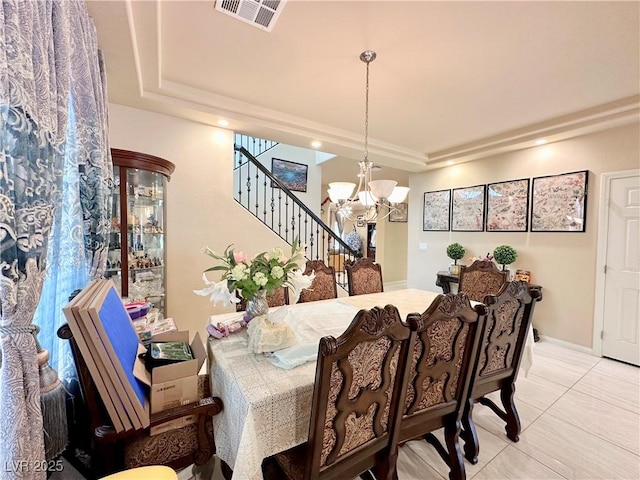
{"x":267,"y":397}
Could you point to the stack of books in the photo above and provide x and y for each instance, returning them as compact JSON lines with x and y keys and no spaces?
{"x":110,"y":345}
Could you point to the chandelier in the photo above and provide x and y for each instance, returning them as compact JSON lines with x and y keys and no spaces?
{"x":378,"y":197}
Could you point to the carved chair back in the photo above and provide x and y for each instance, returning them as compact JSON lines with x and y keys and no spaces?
{"x":509,"y":315}
{"x":439,"y":373}
{"x":364,"y":276}
{"x":323,"y":286}
{"x":279,"y":297}
{"x":357,"y":396}
{"x":481,"y":278}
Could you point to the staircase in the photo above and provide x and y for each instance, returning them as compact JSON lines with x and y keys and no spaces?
{"x":271,"y":202}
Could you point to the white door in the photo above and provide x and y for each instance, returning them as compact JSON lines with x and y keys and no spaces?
{"x":621,"y":327}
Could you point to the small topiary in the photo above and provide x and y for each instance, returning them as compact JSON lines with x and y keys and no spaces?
{"x":455,"y":252}
{"x":504,"y":254}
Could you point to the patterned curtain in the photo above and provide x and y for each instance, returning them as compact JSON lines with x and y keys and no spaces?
{"x":52,"y":123}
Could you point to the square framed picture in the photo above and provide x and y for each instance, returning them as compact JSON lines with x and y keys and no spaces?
{"x":400,"y":213}
{"x":436,"y":211}
{"x":508,"y":206}
{"x":559,"y":202}
{"x":291,"y":174}
{"x":467,"y":211}
{"x":360,"y":222}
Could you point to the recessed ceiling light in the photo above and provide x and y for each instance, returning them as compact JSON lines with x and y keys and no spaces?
{"x":223,"y":123}
{"x":541,"y":141}
{"x":449,"y":163}
{"x":316,"y":144}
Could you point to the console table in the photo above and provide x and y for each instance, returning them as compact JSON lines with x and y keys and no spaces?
{"x":444,"y":279}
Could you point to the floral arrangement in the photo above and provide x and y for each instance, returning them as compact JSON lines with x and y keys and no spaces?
{"x":266,"y":271}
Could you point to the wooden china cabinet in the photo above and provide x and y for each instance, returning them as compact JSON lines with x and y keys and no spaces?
{"x":137,"y":245}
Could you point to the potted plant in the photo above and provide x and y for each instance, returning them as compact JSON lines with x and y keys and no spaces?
{"x":505,"y":255}
{"x":455,"y":252}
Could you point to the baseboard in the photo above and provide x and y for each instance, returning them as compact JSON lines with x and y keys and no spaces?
{"x":569,"y":345}
{"x":399,"y":285}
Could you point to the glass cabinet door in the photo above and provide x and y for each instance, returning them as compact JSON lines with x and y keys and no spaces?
{"x":137,"y":250}
{"x":145,"y":236}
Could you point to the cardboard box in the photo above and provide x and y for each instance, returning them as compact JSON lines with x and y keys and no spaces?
{"x":173,"y":424}
{"x":175,"y":384}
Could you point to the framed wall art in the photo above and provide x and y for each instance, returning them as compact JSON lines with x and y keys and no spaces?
{"x":293,"y":175}
{"x":467,"y":211}
{"x":360,"y":221}
{"x":508,"y":206}
{"x":559,"y":202}
{"x":436,"y":211}
{"x":400,"y":213}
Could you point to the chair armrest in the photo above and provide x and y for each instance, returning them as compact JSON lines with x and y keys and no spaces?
{"x":207,"y":406}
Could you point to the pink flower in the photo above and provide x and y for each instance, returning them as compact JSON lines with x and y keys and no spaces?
{"x":239,"y":257}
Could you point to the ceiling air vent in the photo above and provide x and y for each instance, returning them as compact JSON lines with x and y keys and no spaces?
{"x":259,"y":13}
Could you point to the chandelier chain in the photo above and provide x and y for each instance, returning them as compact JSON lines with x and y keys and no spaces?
{"x":366,"y":119}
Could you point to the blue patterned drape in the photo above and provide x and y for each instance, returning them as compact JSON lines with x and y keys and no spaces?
{"x":52,"y":122}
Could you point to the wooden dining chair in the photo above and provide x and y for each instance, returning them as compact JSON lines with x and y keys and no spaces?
{"x":323,"y":286}
{"x":355,"y":402}
{"x":509,"y":316}
{"x":279,"y":297}
{"x":439,"y":374}
{"x":364,"y":276}
{"x":481,"y":278}
{"x":177,"y":448}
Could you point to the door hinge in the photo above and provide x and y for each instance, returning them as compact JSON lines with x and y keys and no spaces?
{"x":601,"y":334}
{"x":605,"y":269}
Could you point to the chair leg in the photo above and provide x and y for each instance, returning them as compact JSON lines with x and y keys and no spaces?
{"x":512,"y":428}
{"x":469,"y":434}
{"x":385,"y":468}
{"x":227,"y":472}
{"x":456,"y":462}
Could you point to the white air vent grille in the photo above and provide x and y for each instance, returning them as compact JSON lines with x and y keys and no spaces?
{"x":259,"y":13}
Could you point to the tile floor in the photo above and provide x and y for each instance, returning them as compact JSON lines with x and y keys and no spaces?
{"x":580,"y":420}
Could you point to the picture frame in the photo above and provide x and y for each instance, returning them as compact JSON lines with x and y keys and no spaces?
{"x":507,"y":206}
{"x":400,"y":213}
{"x":292,"y":175}
{"x":360,"y":221}
{"x":436,"y":211}
{"x":467,"y":209}
{"x":558,"y":202}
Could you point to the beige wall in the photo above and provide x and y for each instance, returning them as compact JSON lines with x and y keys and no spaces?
{"x":201,"y":210}
{"x":563,"y":263}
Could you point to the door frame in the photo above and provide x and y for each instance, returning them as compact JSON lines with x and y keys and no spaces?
{"x":601,"y":256}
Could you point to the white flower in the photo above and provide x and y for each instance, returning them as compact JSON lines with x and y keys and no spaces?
{"x":239,"y":272}
{"x":218,"y":292}
{"x":277,"y":272}
{"x":260,"y":279}
{"x":276,"y":254}
{"x":298,"y":256}
{"x":296,"y":282}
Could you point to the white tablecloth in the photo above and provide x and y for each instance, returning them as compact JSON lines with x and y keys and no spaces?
{"x":267,"y":408}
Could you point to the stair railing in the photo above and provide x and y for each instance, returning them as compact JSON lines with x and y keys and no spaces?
{"x":271,"y":202}
{"x":255,"y":146}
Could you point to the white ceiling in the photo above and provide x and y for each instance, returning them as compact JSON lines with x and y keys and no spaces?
{"x":452,"y":81}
